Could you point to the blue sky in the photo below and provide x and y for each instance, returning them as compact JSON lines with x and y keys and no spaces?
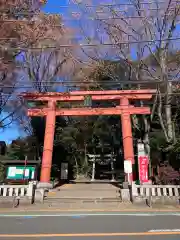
{"x":53,"y":6}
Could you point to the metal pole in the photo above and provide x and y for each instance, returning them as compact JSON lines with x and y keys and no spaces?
{"x":24,"y":172}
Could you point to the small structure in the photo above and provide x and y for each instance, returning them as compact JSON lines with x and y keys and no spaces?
{"x":21,"y":171}
{"x":50,"y":110}
{"x":107,"y":159}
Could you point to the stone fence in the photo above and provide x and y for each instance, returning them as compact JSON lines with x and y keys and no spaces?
{"x":155,"y":193}
{"x":135,"y":193}
{"x":17,"y":193}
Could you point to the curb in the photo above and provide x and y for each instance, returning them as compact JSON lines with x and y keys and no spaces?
{"x":88,"y":210}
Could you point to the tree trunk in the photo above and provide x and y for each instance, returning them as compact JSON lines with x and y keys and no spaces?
{"x":168,"y":92}
{"x":85,"y":154}
{"x":146,"y":136}
{"x":147,"y":142}
{"x":168,"y":112}
{"x":77,"y":167}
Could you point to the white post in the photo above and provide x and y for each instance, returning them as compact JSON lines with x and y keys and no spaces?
{"x":128,"y":170}
{"x":128,"y":178}
{"x":30,"y":189}
{"x":93,"y":170}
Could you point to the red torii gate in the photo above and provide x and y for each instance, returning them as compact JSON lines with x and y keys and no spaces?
{"x":124,"y":109}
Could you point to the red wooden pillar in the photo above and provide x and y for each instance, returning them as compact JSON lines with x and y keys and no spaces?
{"x":48,"y":143}
{"x":127,"y":135}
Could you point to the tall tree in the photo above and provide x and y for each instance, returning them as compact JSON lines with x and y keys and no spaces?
{"x":15,"y":33}
{"x":135,"y":30}
{"x":48,"y":60}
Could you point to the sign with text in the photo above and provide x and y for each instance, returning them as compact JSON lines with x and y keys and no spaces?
{"x":127,"y":166}
{"x":143,"y":169}
{"x":21,"y":172}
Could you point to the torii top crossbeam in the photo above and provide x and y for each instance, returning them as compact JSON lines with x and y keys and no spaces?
{"x":96,"y":95}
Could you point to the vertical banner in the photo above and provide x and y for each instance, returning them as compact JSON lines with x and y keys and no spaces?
{"x":64,"y":171}
{"x":143,"y":169}
{"x":143,"y":164}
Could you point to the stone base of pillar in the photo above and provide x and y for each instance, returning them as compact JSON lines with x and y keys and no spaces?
{"x":125,"y":185}
{"x":39,"y":195}
{"x":44,"y":185}
{"x":126,"y":192}
{"x":125,"y":195}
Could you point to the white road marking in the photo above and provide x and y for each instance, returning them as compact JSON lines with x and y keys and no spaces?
{"x":164,"y":230}
{"x":92,"y":215}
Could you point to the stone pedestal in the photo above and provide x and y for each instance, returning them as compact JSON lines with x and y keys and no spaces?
{"x":125,"y":195}
{"x":39,"y":195}
{"x":44,"y":185}
{"x":41,"y":190}
{"x":125,"y":185}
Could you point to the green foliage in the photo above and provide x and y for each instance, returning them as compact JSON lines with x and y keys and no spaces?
{"x":2,"y":167}
{"x":2,"y":172}
{"x":22,"y":148}
{"x":82,"y":168}
{"x":176,"y":146}
{"x":157,"y":141}
{"x":84,"y":135}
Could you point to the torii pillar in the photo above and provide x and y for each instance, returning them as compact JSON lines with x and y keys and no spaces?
{"x":127,"y":136}
{"x":48,"y":143}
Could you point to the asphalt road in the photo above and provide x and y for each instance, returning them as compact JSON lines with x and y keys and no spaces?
{"x":111,"y":226}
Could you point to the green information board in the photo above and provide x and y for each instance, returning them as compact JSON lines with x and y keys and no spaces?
{"x":21,"y":172}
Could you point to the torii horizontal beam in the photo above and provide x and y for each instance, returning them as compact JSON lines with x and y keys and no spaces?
{"x":96,"y":95}
{"x":90,"y":111}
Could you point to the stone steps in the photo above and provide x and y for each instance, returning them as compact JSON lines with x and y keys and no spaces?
{"x":81,"y":200}
{"x":85,"y":193}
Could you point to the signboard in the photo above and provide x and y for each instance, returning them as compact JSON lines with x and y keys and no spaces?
{"x":20,"y":172}
{"x":102,"y":160}
{"x":128,"y":166}
{"x":143,"y":169}
{"x":64,"y":171}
